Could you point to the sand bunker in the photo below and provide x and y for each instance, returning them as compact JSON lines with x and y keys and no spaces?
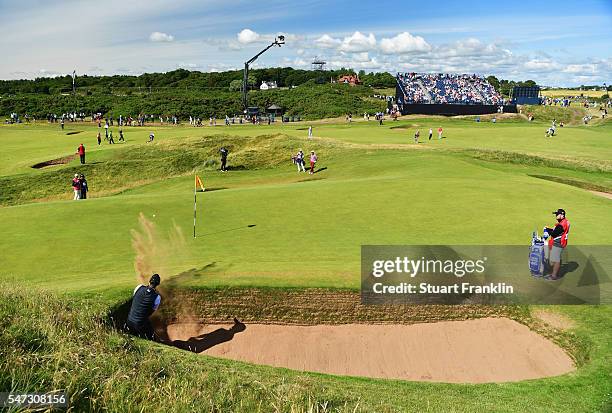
{"x":53,"y":162}
{"x":473,"y":351}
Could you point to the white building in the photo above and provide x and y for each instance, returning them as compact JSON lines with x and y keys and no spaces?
{"x":268,"y":85}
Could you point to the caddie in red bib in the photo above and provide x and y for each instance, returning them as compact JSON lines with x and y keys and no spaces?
{"x":557,"y":242}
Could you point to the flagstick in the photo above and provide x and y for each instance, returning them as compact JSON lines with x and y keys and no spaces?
{"x":195,"y":200}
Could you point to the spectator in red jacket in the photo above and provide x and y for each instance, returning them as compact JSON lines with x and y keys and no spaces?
{"x":81,"y":152}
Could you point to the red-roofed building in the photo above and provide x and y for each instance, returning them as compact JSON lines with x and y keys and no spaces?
{"x":349,"y":79}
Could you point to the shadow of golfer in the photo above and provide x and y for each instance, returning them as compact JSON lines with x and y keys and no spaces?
{"x":203,"y":342}
{"x":236,"y":168}
{"x":316,"y":171}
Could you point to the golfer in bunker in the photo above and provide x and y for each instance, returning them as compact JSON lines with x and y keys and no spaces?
{"x":145,"y":301}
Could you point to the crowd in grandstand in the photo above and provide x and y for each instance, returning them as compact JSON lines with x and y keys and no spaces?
{"x":446,"y":89}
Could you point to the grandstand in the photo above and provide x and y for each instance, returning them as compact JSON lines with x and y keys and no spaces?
{"x":526,"y":95}
{"x":447,"y":94}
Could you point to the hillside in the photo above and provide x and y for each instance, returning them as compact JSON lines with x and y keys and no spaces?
{"x":310,"y":101}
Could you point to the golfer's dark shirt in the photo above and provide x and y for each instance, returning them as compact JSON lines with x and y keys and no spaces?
{"x":143,"y":305}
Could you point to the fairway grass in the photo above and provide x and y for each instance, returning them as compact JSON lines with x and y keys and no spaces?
{"x":263,"y":225}
{"x":308,"y":230}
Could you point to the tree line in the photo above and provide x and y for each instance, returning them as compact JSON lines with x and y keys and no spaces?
{"x":187,"y":80}
{"x":309,"y":100}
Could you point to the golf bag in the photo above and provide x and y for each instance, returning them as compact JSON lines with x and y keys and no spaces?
{"x":537,"y":263}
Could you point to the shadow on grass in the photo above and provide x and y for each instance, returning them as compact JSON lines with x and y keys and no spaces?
{"x":235,"y":168}
{"x":572,"y":182}
{"x":227,"y":230}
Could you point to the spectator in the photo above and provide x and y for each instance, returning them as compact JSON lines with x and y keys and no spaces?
{"x":416,"y":136}
{"x":299,"y":160}
{"x":446,"y":88}
{"x":83,"y":186}
{"x":76,"y":187}
{"x":81,"y":152}
{"x":313,"y":161}
{"x":98,"y":136}
{"x":121,"y":138}
{"x":110,"y":137}
{"x":310,"y":132}
{"x":430,"y":133}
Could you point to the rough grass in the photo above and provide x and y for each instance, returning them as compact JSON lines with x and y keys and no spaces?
{"x":50,"y":343}
{"x":134,"y":166}
{"x":571,"y":115}
{"x":539,"y":161}
{"x":47,"y":344}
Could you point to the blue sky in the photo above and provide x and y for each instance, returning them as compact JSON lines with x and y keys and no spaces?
{"x":556,"y":43}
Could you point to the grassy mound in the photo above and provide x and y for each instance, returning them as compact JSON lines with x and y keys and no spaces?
{"x":569,"y":115}
{"x":566,"y":162}
{"x":135,"y":166}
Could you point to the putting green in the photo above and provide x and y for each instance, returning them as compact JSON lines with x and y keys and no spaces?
{"x":307,"y":229}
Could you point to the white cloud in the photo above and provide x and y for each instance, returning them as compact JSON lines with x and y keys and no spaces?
{"x":161,"y":37}
{"x":221,"y":67}
{"x":580,"y":68}
{"x":327,"y":42}
{"x":184,"y":65}
{"x":49,"y":73}
{"x":358,"y":42}
{"x":247,"y":36}
{"x":404,"y":43}
{"x":361,"y":57}
{"x":538,"y":65}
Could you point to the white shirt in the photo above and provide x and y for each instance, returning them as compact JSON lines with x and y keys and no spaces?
{"x":157,"y":299}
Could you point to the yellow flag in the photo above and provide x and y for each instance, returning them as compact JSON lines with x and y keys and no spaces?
{"x":198,"y":182}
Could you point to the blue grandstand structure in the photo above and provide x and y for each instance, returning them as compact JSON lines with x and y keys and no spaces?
{"x":448,"y":94}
